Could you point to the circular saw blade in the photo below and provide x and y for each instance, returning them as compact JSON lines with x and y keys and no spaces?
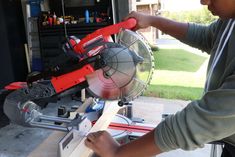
{"x":107,"y":83}
{"x":128,"y":70}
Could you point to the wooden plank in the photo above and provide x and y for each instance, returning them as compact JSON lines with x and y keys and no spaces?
{"x":49,"y":147}
{"x":103,"y":122}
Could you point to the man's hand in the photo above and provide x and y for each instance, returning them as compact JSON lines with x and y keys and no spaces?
{"x":143,"y":20}
{"x":102,"y":144}
{"x":173,"y":28}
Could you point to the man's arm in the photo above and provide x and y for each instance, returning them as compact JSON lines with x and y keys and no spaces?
{"x":173,"y":28}
{"x":143,"y":147}
{"x":105,"y":146}
{"x":199,"y":36}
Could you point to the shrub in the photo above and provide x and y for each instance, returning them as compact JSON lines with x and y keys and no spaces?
{"x":202,"y":16}
{"x":154,"y":47}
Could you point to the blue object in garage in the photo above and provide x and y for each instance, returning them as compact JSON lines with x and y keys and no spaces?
{"x":36,"y":64}
{"x":35,"y":7}
{"x":96,"y":107}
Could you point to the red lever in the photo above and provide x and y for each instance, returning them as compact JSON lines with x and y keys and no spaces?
{"x":105,"y":32}
{"x":114,"y":29}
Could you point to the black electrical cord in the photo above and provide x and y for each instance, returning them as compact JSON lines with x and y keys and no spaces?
{"x":63,"y":13}
{"x":65,"y":27}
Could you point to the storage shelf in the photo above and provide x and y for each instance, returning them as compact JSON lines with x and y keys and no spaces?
{"x":73,"y":29}
{"x":73,"y":26}
{"x":53,"y":37}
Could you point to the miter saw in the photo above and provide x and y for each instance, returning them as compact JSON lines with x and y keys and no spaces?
{"x":108,"y":70}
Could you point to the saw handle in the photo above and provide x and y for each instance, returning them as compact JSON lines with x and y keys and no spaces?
{"x":114,"y":29}
{"x":105,"y":33}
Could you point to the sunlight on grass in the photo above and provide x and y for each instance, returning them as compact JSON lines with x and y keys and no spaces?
{"x":177,"y":60}
{"x":176,"y":85}
{"x":178,"y":78}
{"x":179,"y":74}
{"x":174,"y":92}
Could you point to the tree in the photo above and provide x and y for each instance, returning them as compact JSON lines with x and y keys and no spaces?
{"x":202,"y":16}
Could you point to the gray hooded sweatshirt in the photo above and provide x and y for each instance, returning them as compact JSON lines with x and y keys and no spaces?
{"x":211,"y":118}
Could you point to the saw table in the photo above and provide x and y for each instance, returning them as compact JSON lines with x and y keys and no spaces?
{"x":30,"y":142}
{"x":21,"y":141}
{"x":18,"y":141}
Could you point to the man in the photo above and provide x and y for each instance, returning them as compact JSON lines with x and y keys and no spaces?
{"x":212,"y":118}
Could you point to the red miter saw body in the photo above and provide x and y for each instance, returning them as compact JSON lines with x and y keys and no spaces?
{"x":68,"y":80}
{"x":108,"y":70}
{"x":71,"y":79}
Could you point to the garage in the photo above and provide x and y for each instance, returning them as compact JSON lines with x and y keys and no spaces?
{"x":39,"y":44}
{"x":85,"y":78}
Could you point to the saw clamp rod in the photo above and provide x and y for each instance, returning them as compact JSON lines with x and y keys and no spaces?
{"x":43,"y":121}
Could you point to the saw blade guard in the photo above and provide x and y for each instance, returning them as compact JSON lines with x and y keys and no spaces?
{"x":128,"y":71}
{"x":144,"y":70}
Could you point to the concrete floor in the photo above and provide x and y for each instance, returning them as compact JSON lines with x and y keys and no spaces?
{"x":151,"y":109}
{"x":17,"y":141}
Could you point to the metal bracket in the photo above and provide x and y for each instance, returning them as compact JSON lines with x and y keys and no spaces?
{"x":73,"y":138}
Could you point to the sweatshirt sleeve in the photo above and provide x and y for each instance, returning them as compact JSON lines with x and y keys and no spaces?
{"x":201,"y":36}
{"x":210,"y":119}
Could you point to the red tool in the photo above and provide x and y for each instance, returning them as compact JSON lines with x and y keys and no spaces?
{"x":108,"y":70}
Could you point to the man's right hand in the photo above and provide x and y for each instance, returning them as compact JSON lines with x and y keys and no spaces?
{"x":173,"y":28}
{"x":143,"y":20}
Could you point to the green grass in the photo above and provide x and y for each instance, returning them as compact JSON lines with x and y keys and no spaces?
{"x":176,"y":76}
{"x":177,"y":60}
{"x":174,"y":92}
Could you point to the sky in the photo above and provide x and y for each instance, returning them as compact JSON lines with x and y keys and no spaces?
{"x":178,"y":5}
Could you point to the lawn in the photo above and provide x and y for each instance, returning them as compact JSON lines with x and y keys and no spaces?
{"x":174,"y":92}
{"x":177,"y":75}
{"x":177,"y":60}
